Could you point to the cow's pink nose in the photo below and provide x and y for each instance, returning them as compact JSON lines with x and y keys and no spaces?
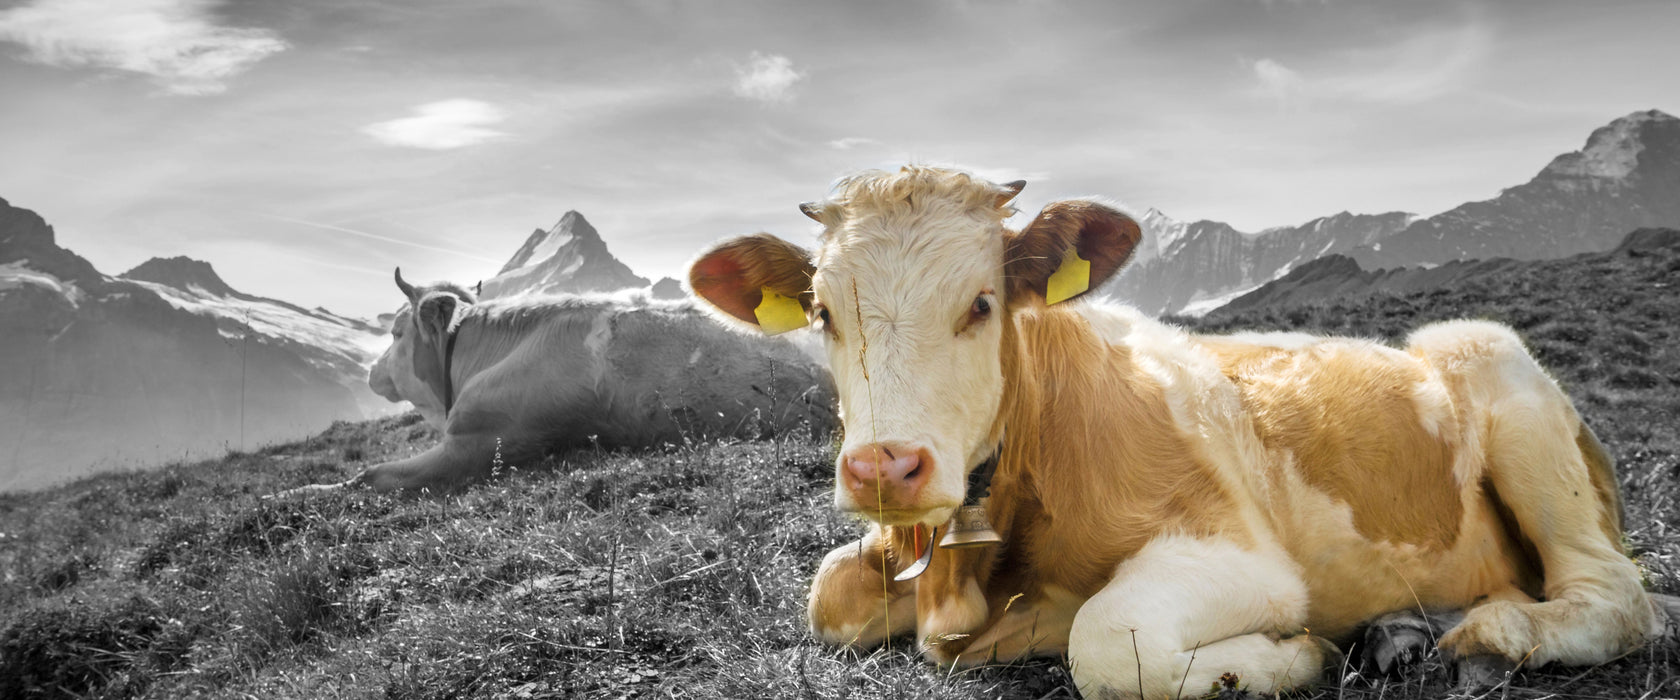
{"x":883,"y":463}
{"x":887,"y":472}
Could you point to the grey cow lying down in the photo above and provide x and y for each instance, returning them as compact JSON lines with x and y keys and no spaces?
{"x":542,"y":373}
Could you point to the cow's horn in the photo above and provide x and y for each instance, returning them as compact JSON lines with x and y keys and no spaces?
{"x":811,"y":209}
{"x":1010,"y":189}
{"x":407,"y":289}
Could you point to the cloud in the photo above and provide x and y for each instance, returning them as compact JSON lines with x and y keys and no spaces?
{"x":1280,"y":81}
{"x":440,"y":126}
{"x":767,"y":78}
{"x":1417,"y":68}
{"x":851,"y":142}
{"x":377,"y":237}
{"x":176,"y":42}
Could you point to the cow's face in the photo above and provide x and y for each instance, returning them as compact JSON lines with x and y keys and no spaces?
{"x":411,"y":369}
{"x":911,"y":287}
{"x":393,"y":377}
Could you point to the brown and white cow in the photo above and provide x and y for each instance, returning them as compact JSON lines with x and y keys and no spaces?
{"x":526,"y":375}
{"x":1178,"y":505}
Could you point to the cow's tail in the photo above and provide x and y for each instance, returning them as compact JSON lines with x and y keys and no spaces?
{"x":1601,"y":467}
{"x":1670,"y":606}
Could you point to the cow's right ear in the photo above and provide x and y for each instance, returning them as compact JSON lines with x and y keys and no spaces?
{"x":758,"y":280}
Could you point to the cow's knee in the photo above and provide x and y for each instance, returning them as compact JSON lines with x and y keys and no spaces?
{"x":1176,"y":618}
{"x":852,"y":603}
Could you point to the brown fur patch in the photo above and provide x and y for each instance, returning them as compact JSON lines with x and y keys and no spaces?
{"x":1345,"y":410}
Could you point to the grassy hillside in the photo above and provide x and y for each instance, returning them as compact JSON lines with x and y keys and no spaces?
{"x":677,"y":572}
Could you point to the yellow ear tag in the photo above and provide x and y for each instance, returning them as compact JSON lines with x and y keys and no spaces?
{"x":1071,"y":279}
{"x":778,"y":314}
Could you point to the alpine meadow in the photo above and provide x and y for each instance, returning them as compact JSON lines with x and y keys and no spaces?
{"x":921,"y":350}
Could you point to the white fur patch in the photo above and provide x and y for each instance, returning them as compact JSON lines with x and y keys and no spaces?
{"x":1181,"y":596}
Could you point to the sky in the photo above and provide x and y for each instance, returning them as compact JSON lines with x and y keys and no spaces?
{"x":305,"y":148}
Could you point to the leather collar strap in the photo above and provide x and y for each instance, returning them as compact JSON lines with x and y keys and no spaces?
{"x":448,"y":372}
{"x":980,"y":480}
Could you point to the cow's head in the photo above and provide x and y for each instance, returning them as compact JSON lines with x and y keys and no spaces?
{"x":914,"y":285}
{"x":412,"y":369}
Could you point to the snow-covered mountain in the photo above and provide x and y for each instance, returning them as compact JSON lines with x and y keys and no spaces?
{"x":162,"y":363}
{"x":568,"y":257}
{"x":1192,"y":267}
{"x":341,"y":346}
{"x":1626,"y":177}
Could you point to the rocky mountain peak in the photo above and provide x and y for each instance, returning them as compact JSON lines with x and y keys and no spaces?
{"x":182,"y":273}
{"x":1613,"y":150}
{"x":568,"y":257}
{"x":544,"y":244}
{"x":25,"y":236}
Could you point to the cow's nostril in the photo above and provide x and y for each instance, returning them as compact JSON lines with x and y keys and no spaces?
{"x":889,"y":453}
{"x":913,"y":472}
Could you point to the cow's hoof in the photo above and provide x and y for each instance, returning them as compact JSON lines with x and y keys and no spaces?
{"x":1482,"y":671}
{"x":1396,"y":642}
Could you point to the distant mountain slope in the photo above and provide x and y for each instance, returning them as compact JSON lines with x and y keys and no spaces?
{"x":1340,"y":279}
{"x":1626,"y":177}
{"x":1180,"y":266}
{"x":163,"y":363}
{"x":569,"y":257}
{"x":341,"y":346}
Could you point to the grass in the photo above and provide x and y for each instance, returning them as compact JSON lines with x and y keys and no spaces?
{"x":673,"y":572}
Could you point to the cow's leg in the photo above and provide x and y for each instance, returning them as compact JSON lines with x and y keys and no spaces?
{"x":1186,"y":612}
{"x":1026,"y":629}
{"x":1595,"y":607}
{"x":458,"y":460}
{"x":852,"y":603}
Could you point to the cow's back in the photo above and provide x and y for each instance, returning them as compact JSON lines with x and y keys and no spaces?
{"x":1366,"y":424}
{"x":1373,"y":475}
{"x":672,"y":368}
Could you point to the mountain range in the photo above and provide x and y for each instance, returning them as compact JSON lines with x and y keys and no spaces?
{"x":165,"y":361}
{"x":1626,"y":176}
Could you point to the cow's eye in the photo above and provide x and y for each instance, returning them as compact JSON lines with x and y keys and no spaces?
{"x":978,"y":312}
{"x":822,"y":317}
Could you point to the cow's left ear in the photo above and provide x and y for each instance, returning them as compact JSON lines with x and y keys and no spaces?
{"x":1072,"y":247}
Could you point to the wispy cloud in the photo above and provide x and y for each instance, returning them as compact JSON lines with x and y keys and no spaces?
{"x":176,"y":42}
{"x":440,"y":125}
{"x":1278,"y":80}
{"x":377,"y":237}
{"x":767,"y":78}
{"x":851,"y":142}
{"x":1417,"y":68}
